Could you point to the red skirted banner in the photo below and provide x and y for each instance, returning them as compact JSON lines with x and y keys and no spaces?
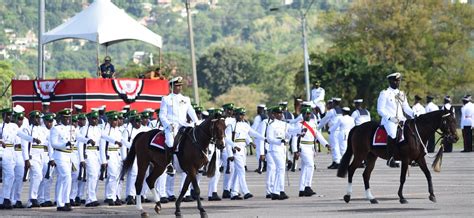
{"x":90,"y":93}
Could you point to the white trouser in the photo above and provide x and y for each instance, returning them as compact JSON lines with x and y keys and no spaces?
{"x":93,"y":172}
{"x":342,"y":142}
{"x":130,"y":189}
{"x":63,"y":183}
{"x":8,"y":173}
{"x":307,"y":166}
{"x":279,"y":159}
{"x":271,"y":171}
{"x":77,"y":187}
{"x":44,"y":190}
{"x":334,"y":142}
{"x":215,"y":179}
{"x":170,"y":185}
{"x":36,"y":174}
{"x":239,"y":182}
{"x":170,"y":133}
{"x":114,"y":164}
{"x":161,"y":185}
{"x":391,"y":129}
{"x":226,"y":183}
{"x":18,"y":182}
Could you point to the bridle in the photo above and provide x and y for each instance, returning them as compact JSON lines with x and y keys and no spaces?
{"x":445,"y":133}
{"x":212,"y":136}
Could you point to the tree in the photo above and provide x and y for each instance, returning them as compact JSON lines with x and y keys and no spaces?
{"x":240,"y":96}
{"x":6,"y":76}
{"x":73,"y":75}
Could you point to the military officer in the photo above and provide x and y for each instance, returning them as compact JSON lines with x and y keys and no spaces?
{"x":212,"y":190}
{"x":330,"y":118}
{"x":62,"y":140}
{"x":467,"y":122}
{"x":317,"y":96}
{"x":360,"y":114}
{"x":262,"y":149}
{"x":417,"y":108}
{"x":344,"y":123}
{"x":391,"y":104}
{"x":448,"y":146}
{"x":227,"y":155}
{"x":19,"y":119}
{"x":44,"y":193}
{"x":77,"y":186}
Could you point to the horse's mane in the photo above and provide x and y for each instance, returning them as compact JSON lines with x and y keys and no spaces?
{"x":430,"y":117}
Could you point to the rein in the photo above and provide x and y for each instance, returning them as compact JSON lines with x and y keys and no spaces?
{"x":421,"y":141}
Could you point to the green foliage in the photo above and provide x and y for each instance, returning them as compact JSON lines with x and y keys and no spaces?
{"x":6,"y":76}
{"x":73,"y":75}
{"x":240,"y":96}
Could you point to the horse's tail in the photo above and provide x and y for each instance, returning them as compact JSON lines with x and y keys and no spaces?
{"x":211,"y":169}
{"x":346,"y":158}
{"x":128,"y":162}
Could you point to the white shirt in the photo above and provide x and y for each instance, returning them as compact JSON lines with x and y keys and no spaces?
{"x":8,"y":132}
{"x":418,"y":109}
{"x":344,"y":123}
{"x":276,"y":132}
{"x":329,"y":118}
{"x":61,"y":135}
{"x":392,"y":103}
{"x":242,"y":132}
{"x":308,"y":136}
{"x":110,"y":135}
{"x":317,"y":94}
{"x":85,"y":134}
{"x":27,"y":135}
{"x":431,"y":107}
{"x":467,"y":115}
{"x":173,"y":111}
{"x":129,"y":134}
{"x":360,"y":118}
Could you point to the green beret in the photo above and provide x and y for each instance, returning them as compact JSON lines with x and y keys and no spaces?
{"x":305,"y":110}
{"x":132,"y":113}
{"x":35,"y":113}
{"x":6,"y":110}
{"x":93,"y":114}
{"x":110,"y":112}
{"x":120,"y":115}
{"x":81,"y":116}
{"x":228,"y":106}
{"x":145,"y":114}
{"x":240,"y":110}
{"x":49,"y":117}
{"x":74,"y":118}
{"x":112,"y":116}
{"x":66,"y":112}
{"x":17,"y":116}
{"x":218,"y":111}
{"x":277,"y":109}
{"x":194,"y":105}
{"x":136,"y":117}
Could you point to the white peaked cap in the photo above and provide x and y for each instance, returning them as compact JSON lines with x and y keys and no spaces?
{"x":397,"y":75}
{"x":18,"y":109}
{"x":78,"y":106}
{"x":346,"y":109}
{"x":358,"y":100}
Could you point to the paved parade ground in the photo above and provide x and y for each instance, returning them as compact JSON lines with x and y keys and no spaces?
{"x":454,"y":189}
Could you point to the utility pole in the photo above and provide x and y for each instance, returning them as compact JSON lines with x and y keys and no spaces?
{"x":306,"y":57}
{"x":193,"y":58}
{"x":40,"y":39}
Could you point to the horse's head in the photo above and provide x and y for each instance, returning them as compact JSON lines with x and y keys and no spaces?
{"x":448,"y":126}
{"x":218,"y":131}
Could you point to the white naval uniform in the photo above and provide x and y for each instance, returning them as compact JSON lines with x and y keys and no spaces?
{"x":77,"y":187}
{"x":262,"y":148}
{"x":60,"y":136}
{"x":226,"y":153}
{"x":213,"y":181}
{"x":317,"y":97}
{"x":44,"y":192}
{"x":19,"y":170}
{"x":361,"y":116}
{"x":9,"y":137}
{"x":467,"y":115}
{"x":35,"y":154}
{"x":330,"y":118}
{"x":430,"y":107}
{"x":127,"y":138}
{"x":391,"y":104}
{"x":344,"y":124}
{"x":418,"y":109}
{"x":277,"y":131}
{"x":242,"y":132}
{"x":111,"y":155}
{"x":93,"y":158}
{"x":307,"y":152}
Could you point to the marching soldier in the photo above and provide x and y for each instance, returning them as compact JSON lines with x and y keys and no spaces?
{"x":44,"y":193}
{"x":19,"y":118}
{"x":62,"y":140}
{"x":330,"y":118}
{"x":360,"y":114}
{"x":88,"y":147}
{"x":77,"y":187}
{"x":212,"y":190}
{"x":33,"y":147}
{"x":236,"y":137}
{"x":448,"y":146}
{"x":262,"y":148}
{"x":110,"y":150}
{"x":8,"y":137}
{"x":227,"y":155}
{"x":306,"y":150}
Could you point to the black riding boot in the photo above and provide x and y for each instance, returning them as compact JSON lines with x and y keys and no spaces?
{"x":391,"y":143}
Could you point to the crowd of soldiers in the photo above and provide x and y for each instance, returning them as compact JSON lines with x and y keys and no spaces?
{"x":81,"y":149}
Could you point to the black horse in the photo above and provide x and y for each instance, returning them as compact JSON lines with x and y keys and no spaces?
{"x":416,"y":133}
{"x":190,"y":156}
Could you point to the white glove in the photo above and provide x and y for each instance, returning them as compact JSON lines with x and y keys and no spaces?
{"x":393,"y":119}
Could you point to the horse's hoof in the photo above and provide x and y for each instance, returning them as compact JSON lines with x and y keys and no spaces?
{"x":403,"y":201}
{"x":144,"y":214}
{"x":374,"y":201}
{"x":203,"y":215}
{"x":157,"y":208}
{"x":433,"y":198}
{"x":178,"y":214}
{"x":347,"y":198}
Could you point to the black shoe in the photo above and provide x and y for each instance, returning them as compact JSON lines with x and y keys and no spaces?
{"x":301,"y":194}
{"x":34,"y":203}
{"x":77,"y":200}
{"x":289,"y":164}
{"x":465,"y":151}
{"x":66,"y":209}
{"x":236,"y":198}
{"x":245,"y":167}
{"x":7,"y":204}
{"x":275,"y":197}
{"x":221,"y":169}
{"x":308,"y":191}
{"x":110,"y":202}
{"x":283,"y":196}
{"x":164,"y":200}
{"x":214,"y":197}
{"x":145,"y":200}
{"x":68,"y":205}
{"x":226,"y":194}
{"x":118,"y":202}
{"x":188,"y":199}
{"x":2,"y":207}
{"x":130,"y":200}
{"x":18,"y":205}
{"x":74,"y":203}
{"x":172,"y":198}
{"x":47,"y":204}
{"x":93,"y":204}
{"x":268,"y":196}
{"x":333,"y":166}
{"x":83,"y":201}
{"x":248,"y":195}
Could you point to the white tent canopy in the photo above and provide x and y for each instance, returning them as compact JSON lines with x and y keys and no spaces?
{"x":104,"y":23}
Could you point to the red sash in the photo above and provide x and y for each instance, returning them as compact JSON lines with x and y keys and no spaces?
{"x":305,"y":124}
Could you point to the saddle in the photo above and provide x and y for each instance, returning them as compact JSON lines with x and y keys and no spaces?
{"x":182,"y":133}
{"x":158,"y":141}
{"x":380,"y":136}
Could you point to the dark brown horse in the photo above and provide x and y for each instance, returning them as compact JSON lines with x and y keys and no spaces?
{"x":191,"y":157}
{"x":416,"y":133}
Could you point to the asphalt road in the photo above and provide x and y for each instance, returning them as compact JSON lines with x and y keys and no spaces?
{"x":453,"y":188}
